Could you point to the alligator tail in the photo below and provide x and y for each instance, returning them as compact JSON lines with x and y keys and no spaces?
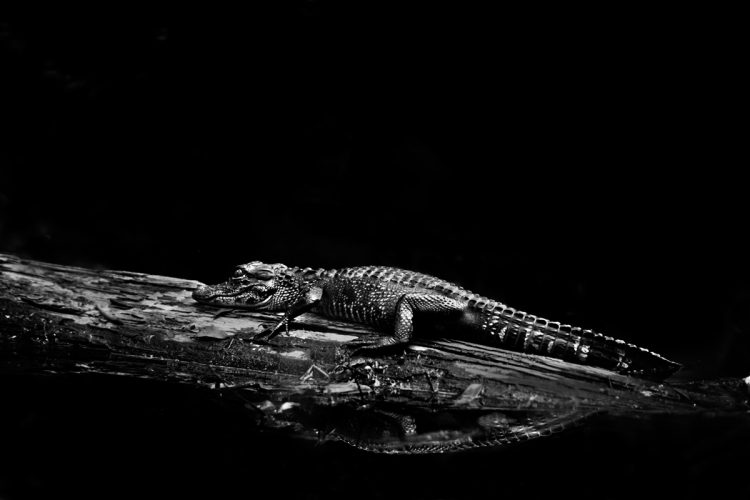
{"x":516,"y":330}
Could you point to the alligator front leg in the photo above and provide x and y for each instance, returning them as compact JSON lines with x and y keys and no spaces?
{"x":305,"y":304}
{"x":407,"y":306}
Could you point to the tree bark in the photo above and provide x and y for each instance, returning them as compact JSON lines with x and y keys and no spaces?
{"x":61,"y":319}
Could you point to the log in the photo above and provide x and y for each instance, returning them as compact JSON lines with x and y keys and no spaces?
{"x":436,"y":395}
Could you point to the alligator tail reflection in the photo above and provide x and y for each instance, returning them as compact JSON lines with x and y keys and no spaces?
{"x":403,"y":429}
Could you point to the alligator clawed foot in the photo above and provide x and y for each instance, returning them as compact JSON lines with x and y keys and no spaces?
{"x":367,"y":347}
{"x":268,"y":333}
{"x":357,"y":347}
{"x":262,"y":336}
{"x":358,"y":353}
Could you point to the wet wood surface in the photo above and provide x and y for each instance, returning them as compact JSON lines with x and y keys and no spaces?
{"x":63,"y":319}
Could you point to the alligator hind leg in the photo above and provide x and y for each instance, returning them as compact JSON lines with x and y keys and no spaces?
{"x":409,"y":304}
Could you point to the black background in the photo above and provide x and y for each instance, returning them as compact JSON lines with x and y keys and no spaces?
{"x":580,"y":165}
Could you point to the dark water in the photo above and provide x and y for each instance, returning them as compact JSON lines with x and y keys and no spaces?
{"x":576,"y":170}
{"x":119,"y":438}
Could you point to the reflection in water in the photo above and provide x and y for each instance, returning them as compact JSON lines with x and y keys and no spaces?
{"x":403,"y":429}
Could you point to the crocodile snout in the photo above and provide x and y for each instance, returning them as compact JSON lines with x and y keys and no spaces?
{"x":202,"y":293}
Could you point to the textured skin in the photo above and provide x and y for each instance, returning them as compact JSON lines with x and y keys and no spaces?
{"x":389,"y":298}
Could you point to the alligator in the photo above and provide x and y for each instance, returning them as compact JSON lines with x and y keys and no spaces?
{"x":392,"y":300}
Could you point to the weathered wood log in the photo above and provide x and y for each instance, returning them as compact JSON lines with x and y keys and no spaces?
{"x":57,"y":318}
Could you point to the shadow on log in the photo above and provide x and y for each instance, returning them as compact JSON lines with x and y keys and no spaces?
{"x":438,"y":395}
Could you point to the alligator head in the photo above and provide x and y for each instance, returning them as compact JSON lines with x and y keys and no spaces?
{"x":254,"y":285}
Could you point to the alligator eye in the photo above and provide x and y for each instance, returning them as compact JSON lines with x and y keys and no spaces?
{"x":238,"y":273}
{"x":263,"y":274}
